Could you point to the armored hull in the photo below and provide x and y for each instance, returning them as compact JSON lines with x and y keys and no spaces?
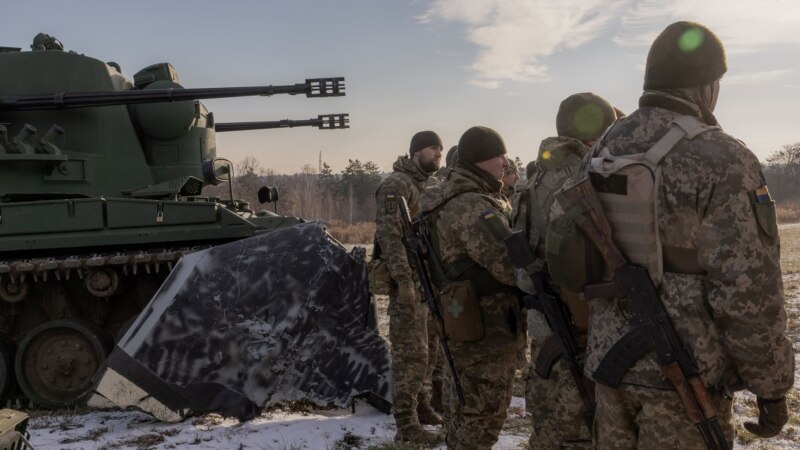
{"x":101,"y":182}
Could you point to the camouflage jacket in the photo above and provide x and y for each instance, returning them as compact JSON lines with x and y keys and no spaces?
{"x":463,"y":200}
{"x":732,"y":318}
{"x":406,"y":180}
{"x":559,"y":158}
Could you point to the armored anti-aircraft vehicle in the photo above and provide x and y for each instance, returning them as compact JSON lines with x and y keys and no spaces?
{"x":101,"y":182}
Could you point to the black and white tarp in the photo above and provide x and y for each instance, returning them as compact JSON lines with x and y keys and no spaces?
{"x":280,"y":316}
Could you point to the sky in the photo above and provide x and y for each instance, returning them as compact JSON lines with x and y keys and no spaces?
{"x":411,"y":65}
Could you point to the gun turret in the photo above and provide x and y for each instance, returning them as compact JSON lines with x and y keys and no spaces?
{"x":75,"y":126}
{"x":313,"y":87}
{"x":323,"y":122}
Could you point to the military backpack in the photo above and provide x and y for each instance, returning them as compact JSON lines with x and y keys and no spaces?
{"x":627,"y":187}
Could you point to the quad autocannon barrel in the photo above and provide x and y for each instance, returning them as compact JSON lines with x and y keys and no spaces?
{"x":314,"y":87}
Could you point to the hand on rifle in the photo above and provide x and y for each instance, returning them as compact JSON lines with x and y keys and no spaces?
{"x":772,"y":416}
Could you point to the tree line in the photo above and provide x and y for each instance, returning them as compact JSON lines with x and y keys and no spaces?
{"x":348,"y":196}
{"x":782,"y":171}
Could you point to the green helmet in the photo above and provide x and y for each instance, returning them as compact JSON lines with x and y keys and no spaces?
{"x":584,"y":116}
{"x":685,"y":54}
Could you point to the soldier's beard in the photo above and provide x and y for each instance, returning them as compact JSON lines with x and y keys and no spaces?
{"x":429,"y":166}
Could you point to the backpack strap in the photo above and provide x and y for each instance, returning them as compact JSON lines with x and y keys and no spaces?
{"x":442,"y":273}
{"x":664,"y":145}
{"x":688,"y":127}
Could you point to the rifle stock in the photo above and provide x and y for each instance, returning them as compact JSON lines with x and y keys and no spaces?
{"x":413,"y":244}
{"x":677,"y":365}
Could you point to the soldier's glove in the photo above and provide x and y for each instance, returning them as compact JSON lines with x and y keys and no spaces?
{"x":772,"y":416}
{"x":407,"y":292}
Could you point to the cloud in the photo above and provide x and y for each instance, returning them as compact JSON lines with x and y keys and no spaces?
{"x":743,"y":26}
{"x":515,"y":38}
{"x":764,"y":76}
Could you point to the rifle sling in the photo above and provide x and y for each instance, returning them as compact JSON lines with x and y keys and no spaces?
{"x":622,"y":355}
{"x":676,"y":260}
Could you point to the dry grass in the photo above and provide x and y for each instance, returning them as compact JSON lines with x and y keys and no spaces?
{"x":357,"y":233}
{"x":143,"y":442}
{"x":788,"y":212}
{"x":790,"y":250}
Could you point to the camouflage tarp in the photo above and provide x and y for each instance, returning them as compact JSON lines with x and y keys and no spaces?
{"x":281,"y":316}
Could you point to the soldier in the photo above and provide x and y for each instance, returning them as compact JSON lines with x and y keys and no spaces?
{"x":412,"y":366}
{"x":479,"y":302}
{"x":510,"y":178}
{"x":530,"y":169}
{"x":450,"y":161}
{"x":551,"y":396}
{"x":719,"y":249}
{"x":437,"y":381}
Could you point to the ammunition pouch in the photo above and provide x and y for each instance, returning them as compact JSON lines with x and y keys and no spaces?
{"x":379,"y":279}
{"x":461,"y":312}
{"x":572,"y":260}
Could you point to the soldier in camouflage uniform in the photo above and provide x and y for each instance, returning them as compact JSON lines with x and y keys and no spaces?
{"x":722,"y":283}
{"x":437,"y":379}
{"x":510,"y":179}
{"x":479,"y":302}
{"x":553,"y":402}
{"x":412,"y":363}
{"x":450,"y":161}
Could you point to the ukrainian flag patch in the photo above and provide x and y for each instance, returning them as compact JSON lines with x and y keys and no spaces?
{"x":486,"y":215}
{"x":762,"y":195}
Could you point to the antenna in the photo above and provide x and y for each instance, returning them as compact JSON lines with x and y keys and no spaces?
{"x":319,"y":169}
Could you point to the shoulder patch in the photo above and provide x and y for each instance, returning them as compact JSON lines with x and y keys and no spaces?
{"x":390,"y":203}
{"x":496,"y":226}
{"x":762,"y":194}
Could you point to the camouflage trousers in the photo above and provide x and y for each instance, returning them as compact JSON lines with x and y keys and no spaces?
{"x":554,"y":403}
{"x":486,"y":378}
{"x":556,"y":410}
{"x":435,"y":357}
{"x":648,"y":419}
{"x":412,"y":366}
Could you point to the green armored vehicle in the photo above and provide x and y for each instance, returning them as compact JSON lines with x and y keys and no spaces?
{"x":101,"y":181}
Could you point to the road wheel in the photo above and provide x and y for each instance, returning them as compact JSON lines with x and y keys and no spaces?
{"x":56,"y":361}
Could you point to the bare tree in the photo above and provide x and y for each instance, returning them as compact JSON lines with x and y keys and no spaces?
{"x":783,"y":172}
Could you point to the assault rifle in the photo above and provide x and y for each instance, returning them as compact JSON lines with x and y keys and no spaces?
{"x":418,"y":244}
{"x":558,"y":317}
{"x":653,"y":324}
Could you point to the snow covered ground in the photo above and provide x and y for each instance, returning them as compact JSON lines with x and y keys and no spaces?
{"x":366,"y":427}
{"x":273,"y":430}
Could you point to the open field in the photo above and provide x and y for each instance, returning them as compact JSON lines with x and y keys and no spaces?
{"x":303,"y":427}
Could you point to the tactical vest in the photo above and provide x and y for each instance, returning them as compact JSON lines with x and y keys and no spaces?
{"x":534,"y":203}
{"x":462,"y":269}
{"x":627,"y":187}
{"x":532,"y":214}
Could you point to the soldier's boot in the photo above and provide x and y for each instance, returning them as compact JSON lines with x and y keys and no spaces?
{"x":427,"y":416}
{"x":415,"y":434}
{"x":436,"y":396}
